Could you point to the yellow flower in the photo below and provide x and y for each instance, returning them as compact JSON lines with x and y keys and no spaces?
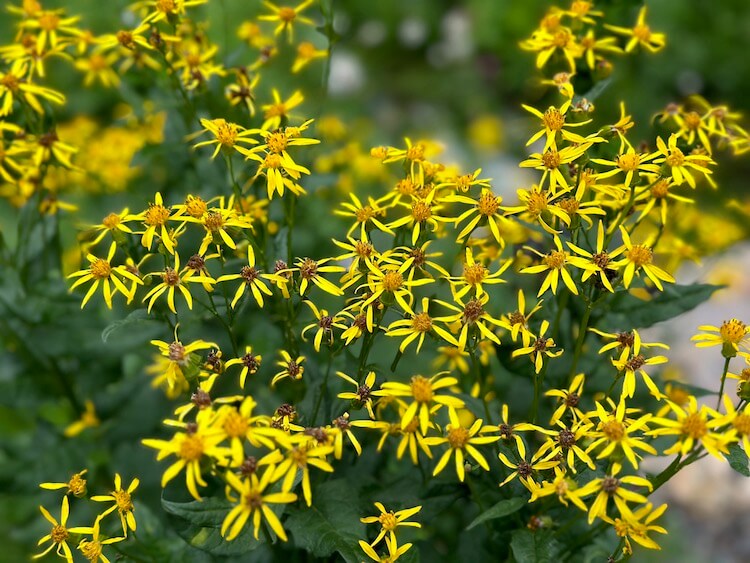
{"x":251,"y":277}
{"x":180,"y":358}
{"x":423,"y":393}
{"x":227,"y":135}
{"x":111,"y":277}
{"x":75,"y":486}
{"x":92,"y":549}
{"x":631,"y":361}
{"x":216,"y":221}
{"x":563,"y":486}
{"x":417,"y":327}
{"x":324,"y":324}
{"x":462,"y":441}
{"x":519,"y":320}
{"x":310,"y":270}
{"x":60,"y":533}
{"x":553,"y":125}
{"x":293,"y":369}
{"x":363,"y":215}
{"x":98,"y":66}
{"x":568,"y":399}
{"x":286,"y":16}
{"x":616,"y":432}
{"x":630,"y":163}
{"x":485,"y":209}
{"x":341,"y":426}
{"x":88,"y":419}
{"x":155,"y":219}
{"x":123,"y":503}
{"x":386,"y":282}
{"x":639,"y":257}
{"x":473,"y":317}
{"x":730,"y":336}
{"x":278,"y":112}
{"x":14,"y":83}
{"x":301,"y":456}
{"x":551,"y":160}
{"x":693,"y":424}
{"x":539,"y":349}
{"x":254,"y":503}
{"x":636,"y":526}
{"x":599,"y":262}
{"x":554,"y":262}
{"x":563,"y":442}
{"x":525,"y":470}
{"x":363,"y":394}
{"x":610,"y":486}
{"x":167,"y":10}
{"x":238,"y":425}
{"x":172,"y":278}
{"x":306,"y":52}
{"x":390,"y":521}
{"x":681,"y":166}
{"x":394,"y":550}
{"x":250,"y":363}
{"x":422,"y":214}
{"x":640,"y":34}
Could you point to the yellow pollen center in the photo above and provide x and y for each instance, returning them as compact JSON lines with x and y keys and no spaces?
{"x":488,"y":204}
{"x":299,"y":455}
{"x":59,"y":534}
{"x":101,"y":269}
{"x":235,"y":425}
{"x":555,"y":259}
{"x":405,"y":187}
{"x":421,"y":322}
{"x":732,"y":331}
{"x":11,"y":82}
{"x":156,"y":215}
{"x":170,"y":277}
{"x":675,"y":158}
{"x":388,"y":521}
{"x":111,"y":221}
{"x":125,"y":38}
{"x":195,"y":206}
{"x":553,"y":119}
{"x":277,"y":142}
{"x":421,"y":389}
{"x":742,"y":424}
{"x":628,"y":161}
{"x":694,"y":426}
{"x":415,"y":153}
{"x":77,"y":485}
{"x":392,"y":281}
{"x":660,"y":189}
{"x":475,"y":274}
{"x":614,"y":430}
{"x":561,"y":38}
{"x":363,"y":249}
{"x":226,"y":133}
{"x":570,"y":205}
{"x":253,"y":500}
{"x":458,"y":437}
{"x":306,"y":50}
{"x":49,"y":22}
{"x":92,"y":550}
{"x":420,"y":211}
{"x":165,"y":6}
{"x":365,"y":214}
{"x":640,"y":255}
{"x":537,"y":203}
{"x":287,"y":14}
{"x":580,"y":7}
{"x":97,"y":62}
{"x":275,"y":110}
{"x":272,"y":161}
{"x":191,"y":448}
{"x":551,"y":159}
{"x":692,"y":120}
{"x":642,"y":32}
{"x":214,"y":221}
{"x":123,"y":500}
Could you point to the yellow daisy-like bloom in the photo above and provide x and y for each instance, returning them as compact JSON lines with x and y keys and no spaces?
{"x":632,"y":361}
{"x":465,"y":181}
{"x":250,"y":363}
{"x":636,"y":526}
{"x":111,"y":277}
{"x":98,"y":67}
{"x":730,"y":336}
{"x":197,"y":443}
{"x":363,"y":394}
{"x":599,"y":262}
{"x":114,"y":224}
{"x":551,"y":160}
{"x":462,"y":441}
{"x":394,"y":550}
{"x":286,"y":17}
{"x":281,"y":172}
{"x":306,"y":53}
{"x":554,"y":263}
{"x":310,"y":270}
{"x":216,"y":221}
{"x":251,"y":278}
{"x":539,"y":349}
{"x":563,"y":486}
{"x":123,"y":503}
{"x":93,"y":549}
{"x":657,"y":193}
{"x":252,"y":502}
{"x":300,"y":456}
{"x":553,"y":125}
{"x":611,"y":486}
{"x":519,"y":320}
{"x":363,"y":215}
{"x":486,"y":209}
{"x":340,"y":427}
{"x":75,"y":486}
{"x":180,"y":357}
{"x":390,"y":521}
{"x":155,"y":219}
{"x":681,"y":166}
{"x":88,"y":419}
{"x":693,"y":423}
{"x":563,"y":442}
{"x":547,"y":42}
{"x":473,"y":317}
{"x":616,"y":432}
{"x":167,"y":10}
{"x":324,"y":325}
{"x":60,"y":533}
{"x":568,"y":400}
{"x":238,"y":425}
{"x":423,"y":393}
{"x":386,"y":283}
{"x":738,"y":421}
{"x":276,"y":113}
{"x":418,"y":326}
{"x":422,"y":214}
{"x":640,"y":34}
{"x":639,"y":257}
{"x":525,"y":470}
{"x":292,"y":369}
{"x":14,"y":83}
{"x":172,"y":278}
{"x":630,"y":163}
{"x":227,"y":135}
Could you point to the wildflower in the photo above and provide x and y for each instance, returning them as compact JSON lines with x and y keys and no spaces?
{"x":422,"y":391}
{"x":238,"y":424}
{"x":216,"y":221}
{"x":464,"y":182}
{"x":628,"y":365}
{"x":92,"y":549}
{"x":172,"y":278}
{"x":462,"y":441}
{"x":693,"y":424}
{"x":390,"y":521}
{"x":681,"y":166}
{"x":111,"y":277}
{"x":300,"y":457}
{"x":254,"y":503}
{"x":278,"y":111}
{"x":243,"y":90}
{"x":413,"y":154}
{"x":280,"y":171}
{"x":123,"y":503}
{"x":310,"y":270}
{"x":417,"y":327}
{"x":14,"y":84}
{"x":738,"y":421}
{"x":639,"y":257}
{"x":562,"y":485}
{"x":114,"y":224}
{"x":155,"y":219}
{"x":251,"y":278}
{"x":292,"y":369}
{"x":168,"y":10}
{"x":636,"y":526}
{"x":618,"y":433}
{"x":657,"y":193}
{"x":553,"y":125}
{"x":551,"y":160}
{"x":730,"y":336}
{"x":250,"y":363}
{"x":227,"y":135}
{"x":286,"y":16}
{"x":473,"y":316}
{"x":324,"y":324}
{"x":563,"y":442}
{"x":306,"y":53}
{"x":640,"y":34}
{"x":363,"y":215}
{"x":180,"y":358}
{"x":485,"y":210}
{"x":75,"y":486}
{"x":519,"y":320}
{"x":597,"y":262}
{"x":60,"y":533}
{"x":554,"y":262}
{"x":422,"y":214}
{"x":394,"y":550}
{"x":624,"y":342}
{"x":630,"y":163}
{"x":611,"y":486}
{"x":568,"y":399}
{"x":546,"y":43}
{"x":88,"y":419}
{"x":525,"y":470}
{"x":540,"y":348}
{"x":197,"y":443}
{"x":387,"y":282}
{"x":363,"y":394}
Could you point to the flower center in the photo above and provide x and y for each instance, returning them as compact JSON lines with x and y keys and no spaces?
{"x":295,"y":370}
{"x":628,"y":162}
{"x":488,"y":204}
{"x":201,"y":399}
{"x":101,"y":269}
{"x":561,"y":38}
{"x":170,"y":277}
{"x":742,"y":424}
{"x":253,"y":500}
{"x":250,"y":362}
{"x":195,"y":206}
{"x":640,"y":255}
{"x":421,"y":389}
{"x":421,"y":322}
{"x":660,"y":189}
{"x":123,"y":500}
{"x":77,"y":485}
{"x":388,"y":521}
{"x":570,"y":205}
{"x":235,"y":425}
{"x":553,"y":119}
{"x":472,"y":312}
{"x":191,"y":448}
{"x":600,"y":259}
{"x":566,"y":439}
{"x":415,"y":152}
{"x":92,"y":550}
{"x":517,"y":318}
{"x":49,"y":21}
{"x":694,"y":426}
{"x":165,"y":6}
{"x":214,"y":221}
{"x":156,"y":215}
{"x":610,"y":484}
{"x":277,"y":142}
{"x":555,"y":260}
{"x":732,"y":331}
{"x":675,"y":158}
{"x":537,"y":203}
{"x":59,"y":534}
{"x":636,"y":362}
{"x":177,"y":352}
{"x":642,"y":32}
{"x":458,"y":437}
{"x":287,"y":14}
{"x":420,"y":211}
{"x":475,"y":273}
{"x":614,"y":430}
{"x":392,"y":280}
{"x":226,"y":133}
{"x":365,"y":214}
{"x":125,"y":38}
{"x":308,"y":269}
{"x":111,"y":221}
{"x":551,"y":159}
{"x":363,"y":249}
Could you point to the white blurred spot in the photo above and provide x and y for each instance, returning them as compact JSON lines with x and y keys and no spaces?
{"x":412,"y":32}
{"x":372,"y":33}
{"x":347,"y":75}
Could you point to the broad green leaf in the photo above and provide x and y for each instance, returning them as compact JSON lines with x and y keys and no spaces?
{"x":135,"y":321}
{"x":737,"y":459}
{"x":628,"y":311}
{"x":331,"y":524}
{"x":533,"y":547}
{"x":502,"y":508}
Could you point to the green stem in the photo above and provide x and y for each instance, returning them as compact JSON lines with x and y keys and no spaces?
{"x":579,"y":342}
{"x":723,"y":381}
{"x":323,"y":389}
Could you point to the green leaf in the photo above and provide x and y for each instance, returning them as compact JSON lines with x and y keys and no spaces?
{"x":737,"y":459}
{"x":533,"y":547}
{"x":135,"y":321}
{"x":199,"y":524}
{"x":628,"y":311}
{"x":499,"y":510}
{"x":331,"y":524}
